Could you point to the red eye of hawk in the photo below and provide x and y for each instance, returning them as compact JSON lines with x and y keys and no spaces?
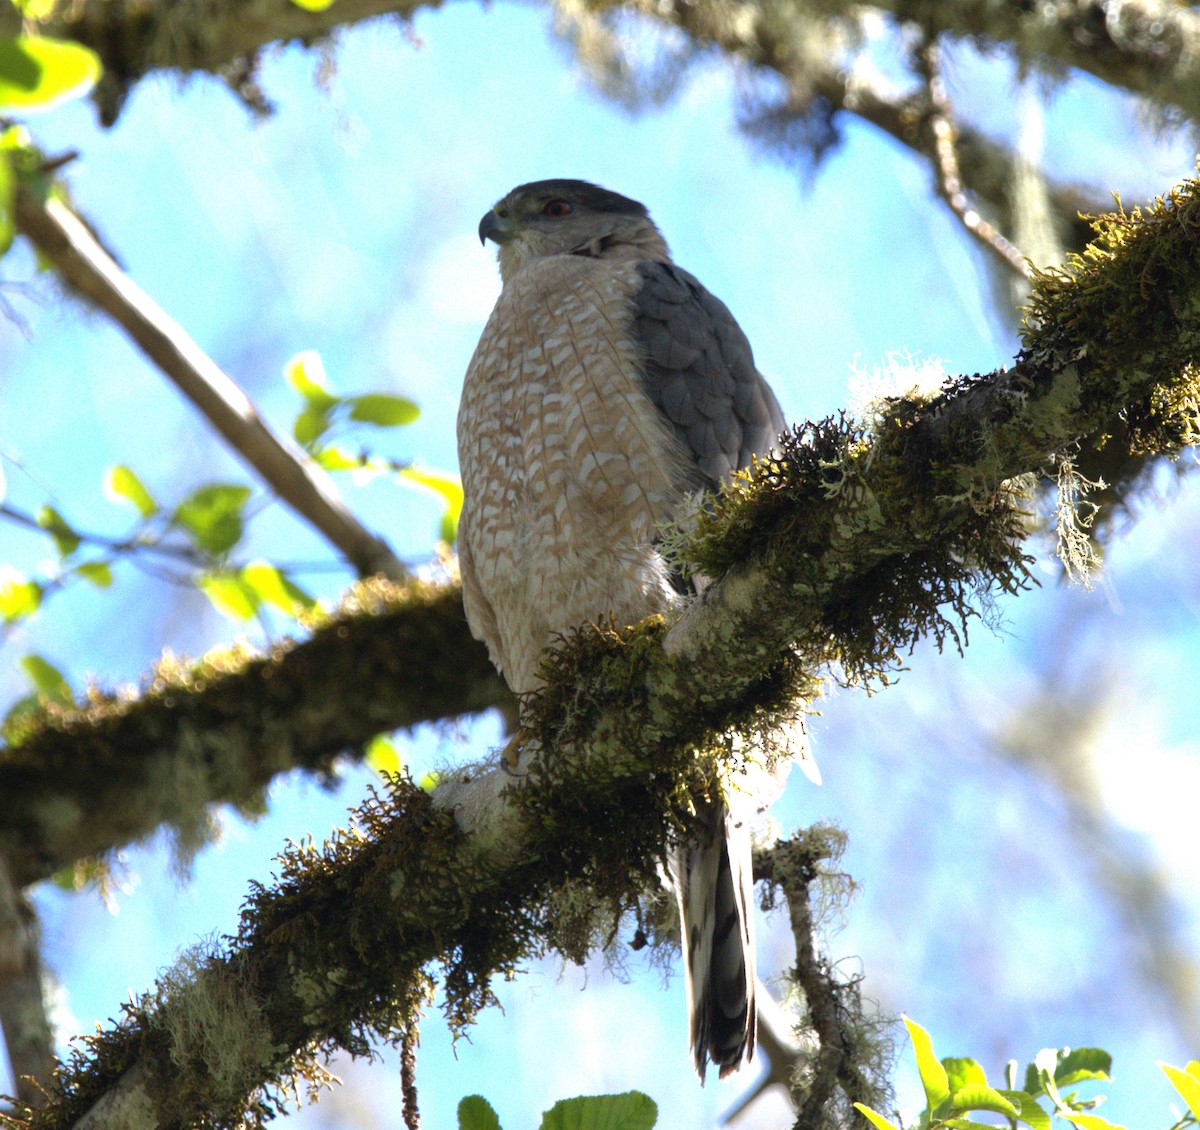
{"x":556,"y":209}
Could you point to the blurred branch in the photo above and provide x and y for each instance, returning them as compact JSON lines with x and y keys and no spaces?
{"x":1148,"y":48}
{"x":1054,"y":733}
{"x":23,"y":1020}
{"x":91,"y":779}
{"x":949,"y":174}
{"x":843,"y":549}
{"x":87,"y":268}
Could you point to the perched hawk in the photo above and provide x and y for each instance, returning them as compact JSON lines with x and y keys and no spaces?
{"x":608,"y":387}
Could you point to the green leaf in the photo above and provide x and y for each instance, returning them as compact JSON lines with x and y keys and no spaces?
{"x":1089,"y":1121}
{"x":8,"y":188}
{"x":36,"y":10}
{"x":933,"y":1075}
{"x":382,"y":755}
{"x":960,"y":1072}
{"x":336,"y":458}
{"x":49,"y":682}
{"x":383,"y":409}
{"x":475,"y":1113}
{"x":306,"y":374}
{"x":230,"y":595}
{"x":313,"y":5}
{"x":429,"y":781}
{"x":310,"y":425}
{"x":98,"y":573}
{"x":273,"y":586}
{"x":19,"y":596}
{"x":36,"y":73}
{"x":629,"y":1111}
{"x":1028,"y":1109}
{"x":66,"y":540}
{"x":875,"y":1118}
{"x":446,"y":486}
{"x":1077,"y":1065}
{"x":979,"y":1096}
{"x":122,"y":485}
{"x":212,"y":516}
{"x":1186,"y":1082}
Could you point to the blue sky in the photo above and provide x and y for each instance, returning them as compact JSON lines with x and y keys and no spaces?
{"x":346,"y":224}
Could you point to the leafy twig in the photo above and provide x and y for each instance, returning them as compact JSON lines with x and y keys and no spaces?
{"x":91,"y":272}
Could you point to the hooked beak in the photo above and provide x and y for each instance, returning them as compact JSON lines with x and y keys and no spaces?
{"x":495,"y":228}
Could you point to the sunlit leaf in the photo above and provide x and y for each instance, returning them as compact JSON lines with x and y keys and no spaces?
{"x":1029,"y":1111}
{"x":1089,"y":1121}
{"x":336,"y":458}
{"x":979,"y":1096}
{"x":98,"y":573}
{"x":306,"y":374}
{"x":475,"y":1113}
{"x":383,"y":409}
{"x":121,"y":484}
{"x":36,"y":73}
{"x":66,"y":540}
{"x":230,"y":595}
{"x":629,"y":1111}
{"x":212,"y":516}
{"x":875,"y":1118}
{"x":960,"y":1072}
{"x":35,"y":9}
{"x":274,"y":587}
{"x":933,"y":1074}
{"x":47,"y":680}
{"x":19,"y":596}
{"x":382,"y":755}
{"x":429,"y":781}
{"x":1077,"y":1065}
{"x":446,"y":486}
{"x":1187,"y":1083}
{"x":313,"y":5}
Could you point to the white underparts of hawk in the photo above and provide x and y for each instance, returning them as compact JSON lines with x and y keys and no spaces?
{"x":607,"y":389}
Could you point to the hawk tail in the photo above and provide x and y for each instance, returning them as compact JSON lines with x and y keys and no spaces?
{"x":714,"y":883}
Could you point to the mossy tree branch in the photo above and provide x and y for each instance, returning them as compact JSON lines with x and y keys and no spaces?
{"x":1145,"y":49}
{"x":844,"y":549}
{"x":87,"y":780}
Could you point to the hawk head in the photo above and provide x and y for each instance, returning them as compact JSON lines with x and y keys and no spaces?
{"x":569,"y":217}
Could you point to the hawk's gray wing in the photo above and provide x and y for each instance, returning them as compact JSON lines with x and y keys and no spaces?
{"x":699,"y":372}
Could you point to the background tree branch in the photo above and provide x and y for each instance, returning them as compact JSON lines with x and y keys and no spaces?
{"x":91,"y":273}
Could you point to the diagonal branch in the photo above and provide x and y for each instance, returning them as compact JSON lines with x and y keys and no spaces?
{"x":90,"y":272}
{"x":949,"y":175}
{"x":838,"y":545}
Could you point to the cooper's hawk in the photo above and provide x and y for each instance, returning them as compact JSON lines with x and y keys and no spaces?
{"x":608,"y":387}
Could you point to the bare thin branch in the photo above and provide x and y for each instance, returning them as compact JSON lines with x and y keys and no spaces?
{"x":90,"y":271}
{"x":949,"y":177}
